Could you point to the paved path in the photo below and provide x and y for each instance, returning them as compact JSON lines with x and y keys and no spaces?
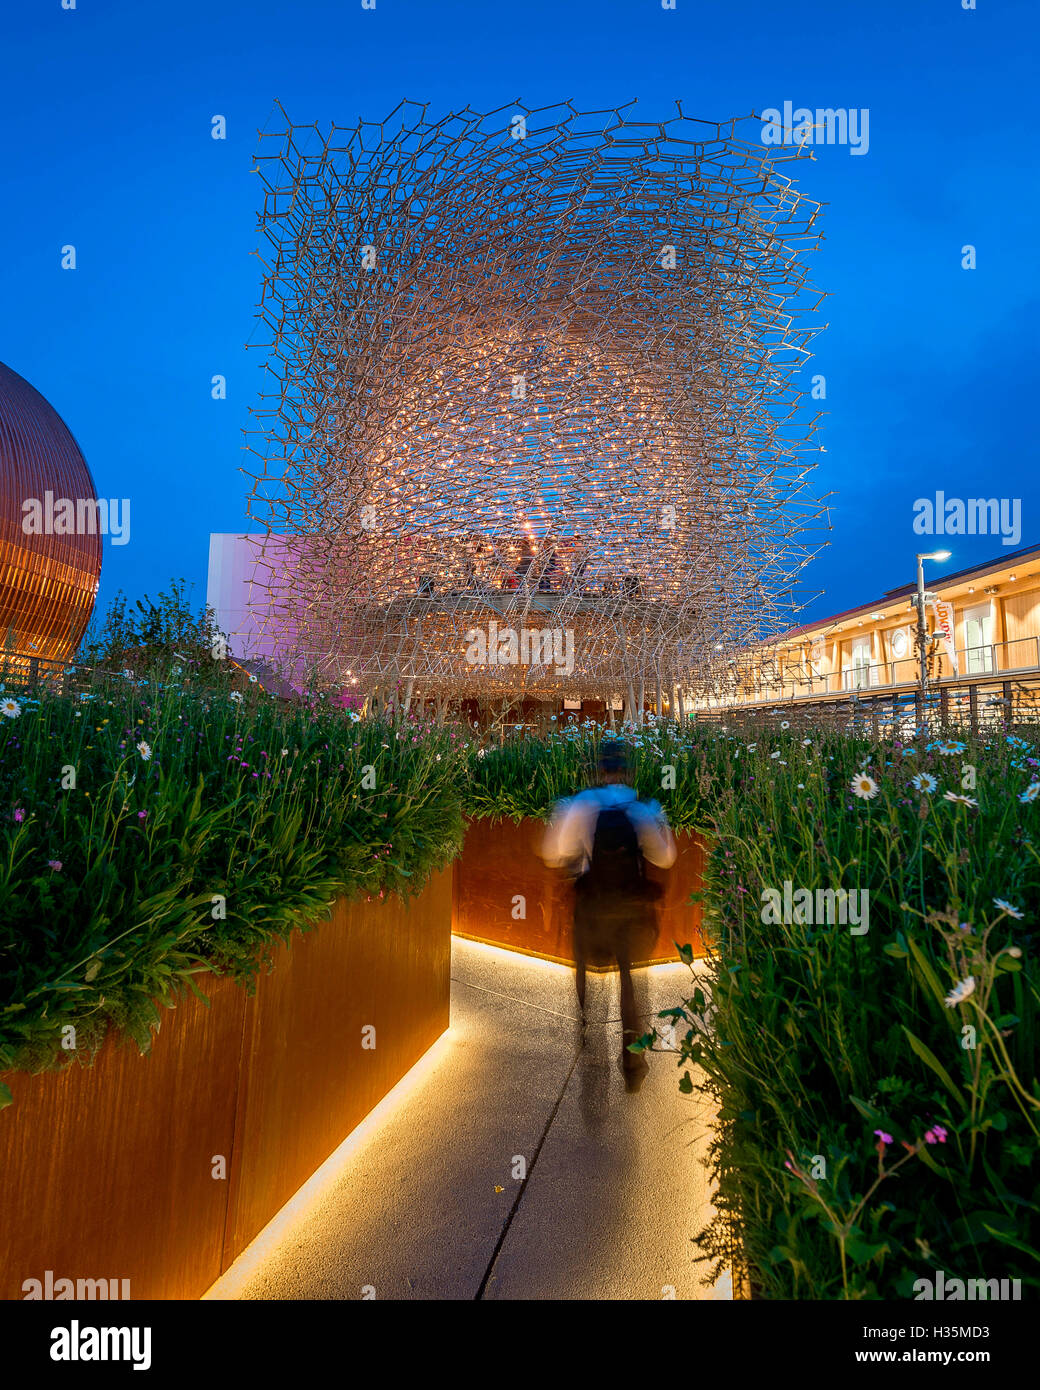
{"x":421,"y":1201}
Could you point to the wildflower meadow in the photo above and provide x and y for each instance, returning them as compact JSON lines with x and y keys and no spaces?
{"x":864,"y":1025}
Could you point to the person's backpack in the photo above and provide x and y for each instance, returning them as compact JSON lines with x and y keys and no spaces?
{"x":616,"y":864}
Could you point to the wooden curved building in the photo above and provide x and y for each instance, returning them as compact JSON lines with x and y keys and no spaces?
{"x":50,"y":536}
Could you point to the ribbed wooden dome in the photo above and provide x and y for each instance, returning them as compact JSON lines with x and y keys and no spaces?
{"x":48,"y":582}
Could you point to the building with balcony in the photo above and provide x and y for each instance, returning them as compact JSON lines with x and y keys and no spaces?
{"x":983,"y":631}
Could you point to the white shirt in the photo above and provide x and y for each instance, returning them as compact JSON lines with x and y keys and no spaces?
{"x":568,"y":836}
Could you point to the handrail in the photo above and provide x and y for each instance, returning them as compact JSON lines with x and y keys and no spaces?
{"x":997,"y":660}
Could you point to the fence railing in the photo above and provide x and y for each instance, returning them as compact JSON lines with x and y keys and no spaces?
{"x":974,"y":703}
{"x":1018,"y":656}
{"x":23,"y":672}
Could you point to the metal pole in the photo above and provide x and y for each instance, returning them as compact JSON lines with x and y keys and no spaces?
{"x":631,"y":702}
{"x":922,"y":636}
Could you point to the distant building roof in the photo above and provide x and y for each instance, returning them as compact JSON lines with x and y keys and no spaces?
{"x":1026,"y":552}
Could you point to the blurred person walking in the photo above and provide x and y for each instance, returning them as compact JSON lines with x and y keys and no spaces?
{"x":604,"y":836}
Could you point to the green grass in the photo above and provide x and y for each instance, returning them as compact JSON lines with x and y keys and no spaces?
{"x":149,"y":833}
{"x":818,"y":1038}
{"x":870,"y":1131}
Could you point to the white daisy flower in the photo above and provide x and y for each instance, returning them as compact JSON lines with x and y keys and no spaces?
{"x":1030,"y":794}
{"x":961,"y":800}
{"x":776,"y":754}
{"x":10,"y":709}
{"x":785,"y":724}
{"x":864,"y":787}
{"x":960,"y":992}
{"x":1006,"y":907}
{"x":236,"y":695}
{"x":924,"y":782}
{"x":145,"y":750}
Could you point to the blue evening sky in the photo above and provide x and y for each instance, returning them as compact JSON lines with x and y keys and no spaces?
{"x":931,"y":369}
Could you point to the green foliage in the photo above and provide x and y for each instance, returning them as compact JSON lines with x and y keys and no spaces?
{"x":816,"y":1038}
{"x":152,"y":638}
{"x":527,"y":776}
{"x":201,"y":828}
{"x":861,"y":1143}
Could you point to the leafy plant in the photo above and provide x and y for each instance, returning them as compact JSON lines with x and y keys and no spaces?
{"x":818,"y":1045}
{"x":150,"y":832}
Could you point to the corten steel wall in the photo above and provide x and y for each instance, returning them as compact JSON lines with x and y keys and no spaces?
{"x":48,"y":582}
{"x":500,"y":860}
{"x":106,"y":1171}
{"x":306,"y":1081}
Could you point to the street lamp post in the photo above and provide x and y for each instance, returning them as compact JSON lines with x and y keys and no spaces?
{"x":922,"y":630}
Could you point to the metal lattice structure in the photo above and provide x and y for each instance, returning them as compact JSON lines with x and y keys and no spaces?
{"x":532,"y":390}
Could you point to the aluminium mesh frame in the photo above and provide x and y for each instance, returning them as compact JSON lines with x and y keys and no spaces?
{"x":531,"y":424}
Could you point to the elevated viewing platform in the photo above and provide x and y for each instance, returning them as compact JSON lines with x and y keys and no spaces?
{"x":983,"y":651}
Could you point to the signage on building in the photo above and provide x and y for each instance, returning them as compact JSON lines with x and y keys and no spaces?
{"x":944,"y":628}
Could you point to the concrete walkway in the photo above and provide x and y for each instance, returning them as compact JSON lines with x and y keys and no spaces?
{"x":422,"y":1202}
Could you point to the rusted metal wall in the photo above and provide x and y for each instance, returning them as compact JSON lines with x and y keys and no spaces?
{"x":106,"y":1172}
{"x":306,"y":1079}
{"x":500,"y":862}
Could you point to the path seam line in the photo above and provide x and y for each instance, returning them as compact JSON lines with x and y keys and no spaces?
{"x":523,"y":1186}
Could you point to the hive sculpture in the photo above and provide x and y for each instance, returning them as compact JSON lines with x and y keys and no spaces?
{"x":530,"y":423}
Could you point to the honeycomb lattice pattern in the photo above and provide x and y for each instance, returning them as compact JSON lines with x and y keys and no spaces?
{"x":529,"y":371}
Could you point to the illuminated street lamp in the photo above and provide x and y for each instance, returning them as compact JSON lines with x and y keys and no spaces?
{"x":922,"y":631}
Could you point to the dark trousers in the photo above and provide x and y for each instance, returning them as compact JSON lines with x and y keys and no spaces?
{"x":613,"y":933}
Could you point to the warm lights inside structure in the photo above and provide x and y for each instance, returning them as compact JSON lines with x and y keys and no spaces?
{"x":531,"y":423}
{"x":50,"y":536}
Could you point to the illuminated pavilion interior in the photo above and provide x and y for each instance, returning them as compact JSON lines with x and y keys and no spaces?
{"x":530,"y":370}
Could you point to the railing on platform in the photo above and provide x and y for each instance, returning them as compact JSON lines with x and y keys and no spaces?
{"x":974,"y":703}
{"x":22,"y":671}
{"x":1020,"y":656}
